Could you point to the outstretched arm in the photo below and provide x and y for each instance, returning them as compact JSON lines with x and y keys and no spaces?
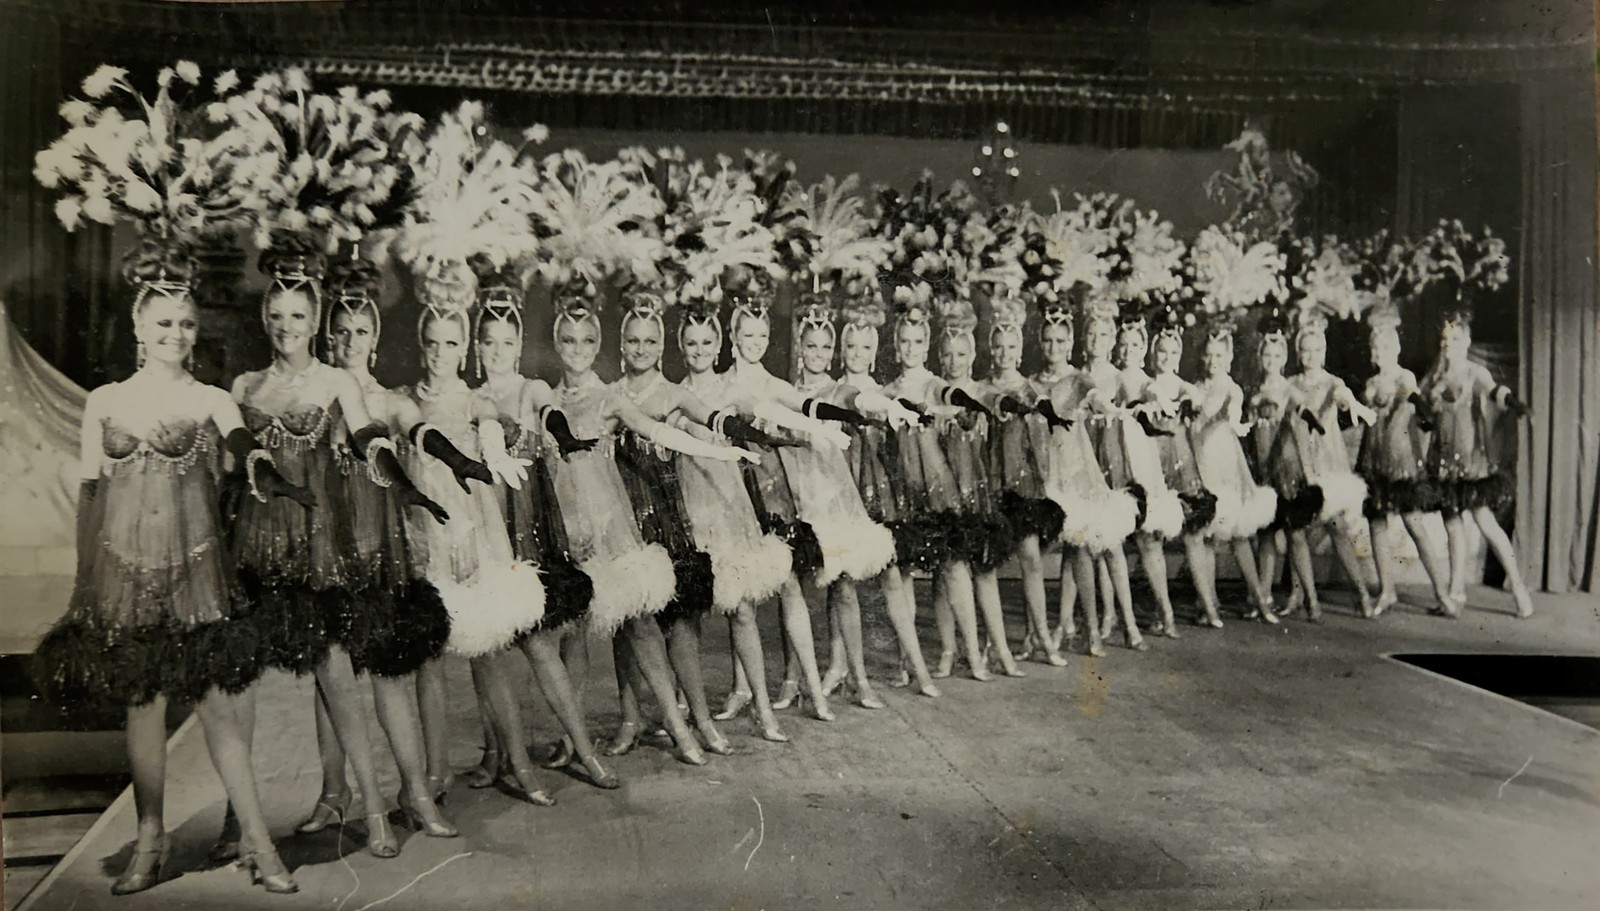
{"x":670,"y":437}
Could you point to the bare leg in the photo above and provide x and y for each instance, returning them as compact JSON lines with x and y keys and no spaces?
{"x":1030,"y":560}
{"x":1456,"y":534}
{"x":1259,"y":591}
{"x":1434,"y":561}
{"x":333,"y":802}
{"x":1383,"y":559}
{"x":147,"y":760}
{"x":903,"y":616}
{"x":740,"y":696}
{"x":435,"y":721}
{"x":1344,"y":547}
{"x":1268,"y":551}
{"x":397,"y":714}
{"x":489,"y":676}
{"x":961,"y":602}
{"x":650,"y":652}
{"x":986,"y":588}
{"x":748,"y":653}
{"x":1088,"y":570}
{"x":838,"y":652}
{"x":543,"y":650}
{"x":336,"y":680}
{"x":1500,"y":543}
{"x":944,"y":620}
{"x":1203,"y":571}
{"x":1114,"y":583}
{"x":683,"y":651}
{"x":797,"y":625}
{"x":628,"y":731}
{"x":230,"y":754}
{"x":1304,"y":573}
{"x":846,"y":608}
{"x":1066,"y":598}
{"x":1154,"y":561}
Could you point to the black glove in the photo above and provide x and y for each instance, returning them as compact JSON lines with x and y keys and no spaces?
{"x":923,"y":416}
{"x":435,"y":443}
{"x":555,"y":421}
{"x":960,"y":399}
{"x":361,"y":439}
{"x":737,"y":427}
{"x":1515,"y":406}
{"x":1010,"y":405}
{"x":88,"y":489}
{"x":405,"y":491}
{"x":823,"y":411}
{"x":1150,"y":430}
{"x":1311,"y":421}
{"x":1345,"y":420}
{"x":1047,"y":409}
{"x":269,"y":482}
{"x":1186,"y":411}
{"x":1424,"y":414}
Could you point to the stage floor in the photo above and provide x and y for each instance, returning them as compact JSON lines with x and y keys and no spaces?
{"x":1252,"y":767}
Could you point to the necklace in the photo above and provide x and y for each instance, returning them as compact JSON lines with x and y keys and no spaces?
{"x":644,"y":391}
{"x":427,"y":393}
{"x":295,"y":379}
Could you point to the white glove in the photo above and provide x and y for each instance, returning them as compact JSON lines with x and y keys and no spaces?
{"x":492,"y":440}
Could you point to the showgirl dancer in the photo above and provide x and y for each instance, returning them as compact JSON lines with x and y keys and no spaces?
{"x":316,"y":604}
{"x":1463,"y":401}
{"x":964,"y":437}
{"x":157,"y":613}
{"x":724,"y":564}
{"x":1160,"y":412}
{"x":1019,"y":461}
{"x":470,"y":205}
{"x":1327,"y":460}
{"x":1243,"y":507}
{"x":536,"y":431}
{"x":408,"y":621}
{"x":1392,"y":460}
{"x":1127,"y":458}
{"x":1096,"y":518}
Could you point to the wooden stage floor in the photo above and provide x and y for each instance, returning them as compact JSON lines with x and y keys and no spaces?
{"x":1253,"y":767}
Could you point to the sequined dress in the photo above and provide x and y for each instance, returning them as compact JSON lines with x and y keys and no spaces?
{"x":964,"y":438}
{"x":1327,"y":459}
{"x":1178,"y":465}
{"x":1243,"y":507}
{"x":1094,"y":515}
{"x":155,"y":608}
{"x":1019,"y":460}
{"x":1392,"y":458}
{"x":1130,"y":461}
{"x":534,"y":526}
{"x":1462,"y":460}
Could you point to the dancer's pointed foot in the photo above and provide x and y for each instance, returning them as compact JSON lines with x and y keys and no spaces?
{"x":769,"y":728}
{"x":1097,"y":649}
{"x":1385,"y":601}
{"x":788,"y":692}
{"x":927,"y":688}
{"x":946,"y":664}
{"x":866,"y":698}
{"x":1265,"y":613}
{"x":820,"y":709}
{"x":738,"y":701}
{"x":331,"y":810}
{"x":1364,"y":601}
{"x":1030,"y":645}
{"x":145,"y":868}
{"x":714,"y":741}
{"x":268,"y":871}
{"x":1137,"y":643}
{"x":1054,"y":658}
{"x":831,"y":681}
{"x":626,"y":739}
{"x":424,"y":816}
{"x":901,"y":678}
{"x":1524,"y":602}
{"x":598,"y":776}
{"x":560,"y":756}
{"x":690,"y":754}
{"x":1169,"y":628}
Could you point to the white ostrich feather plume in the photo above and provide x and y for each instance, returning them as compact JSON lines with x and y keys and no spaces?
{"x":845,"y":246}
{"x":1232,"y":274}
{"x":595,"y":220}
{"x":1329,"y":281}
{"x":1081,"y":247}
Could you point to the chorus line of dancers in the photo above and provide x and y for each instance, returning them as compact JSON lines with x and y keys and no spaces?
{"x":313,"y":521}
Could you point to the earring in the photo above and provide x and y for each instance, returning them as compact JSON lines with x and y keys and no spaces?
{"x":188,"y":361}
{"x":139,"y":354}
{"x":372,"y":359}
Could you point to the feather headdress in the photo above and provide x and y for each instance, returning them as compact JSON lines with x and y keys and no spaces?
{"x":1077,"y":246}
{"x":845,"y":254}
{"x":1325,"y":284}
{"x":1469,"y":267}
{"x":338,"y":156}
{"x":957,"y":319}
{"x":160,"y":164}
{"x":928,"y":252}
{"x":994,"y":247}
{"x":353,"y":287}
{"x":783,"y":209}
{"x":596,"y":221}
{"x":472,"y":197}
{"x":1230,"y":275}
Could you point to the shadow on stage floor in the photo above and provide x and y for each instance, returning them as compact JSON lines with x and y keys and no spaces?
{"x":1255,"y":766}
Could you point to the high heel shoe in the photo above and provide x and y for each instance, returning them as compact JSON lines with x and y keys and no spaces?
{"x":788,"y":693}
{"x":598,"y":776}
{"x":145,"y":868}
{"x":439,"y":787}
{"x":268,"y":872}
{"x":738,"y":701}
{"x":331,"y":810}
{"x":484,"y":774}
{"x":519,"y":782}
{"x":690,"y":754}
{"x":866,"y":698}
{"x":380,"y":838}
{"x":561,"y":756}
{"x":715,"y":742}
{"x":627,"y":738}
{"x":831,"y":681}
{"x":413,"y":819}
{"x":945,"y":665}
{"x":226,"y":847}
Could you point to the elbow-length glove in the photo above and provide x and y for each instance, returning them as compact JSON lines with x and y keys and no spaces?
{"x":555,"y":421}
{"x":432,"y":440}
{"x":264,"y":478}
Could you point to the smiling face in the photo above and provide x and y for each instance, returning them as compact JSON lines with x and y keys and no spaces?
{"x":578,"y":343}
{"x":1132,"y":346}
{"x":750,"y":338}
{"x":444,"y":346}
{"x":1218,"y":356}
{"x":1311,"y":350}
{"x":701,"y":342}
{"x":816,"y":349}
{"x":1274,"y":354}
{"x":641,"y":344}
{"x":1384,"y":347}
{"x":354,"y":335}
{"x":1455,"y":340}
{"x":167,"y":325}
{"x":499,"y":347}
{"x":1055,"y":343}
{"x":1169,"y":353}
{"x":911,"y":344}
{"x":956,"y":354}
{"x":860,"y":345}
{"x":291,"y":321}
{"x":1005,"y":349}
{"x":1098,"y":338}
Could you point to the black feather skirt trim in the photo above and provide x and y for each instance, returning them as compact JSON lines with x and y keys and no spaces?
{"x":392,"y":633}
{"x":1037,"y":516}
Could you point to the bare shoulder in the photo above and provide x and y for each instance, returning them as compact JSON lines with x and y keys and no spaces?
{"x":244,"y":382}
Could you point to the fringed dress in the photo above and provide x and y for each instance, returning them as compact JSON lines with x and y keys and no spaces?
{"x":748,"y":564}
{"x":1130,"y":462}
{"x":1327,"y":459}
{"x":493,"y":596}
{"x":292,"y":560}
{"x":1243,"y":507}
{"x":853,"y":545}
{"x":1463,"y":460}
{"x":1276,"y":442}
{"x":928,"y":524}
{"x":534,"y":526}
{"x":1392,"y":459}
{"x":632,"y":578}
{"x":155,"y":609}
{"x":396,"y":621}
{"x":1019,"y":462}
{"x":1095,"y":516}
{"x":964,"y":437}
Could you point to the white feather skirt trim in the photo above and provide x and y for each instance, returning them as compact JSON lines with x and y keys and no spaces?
{"x":1097,"y":521}
{"x":748,"y":574}
{"x":858,"y":550}
{"x":635,"y":583}
{"x":1163,"y":514}
{"x":502,"y":602}
{"x":1343,"y":495}
{"x":1236,"y":519}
